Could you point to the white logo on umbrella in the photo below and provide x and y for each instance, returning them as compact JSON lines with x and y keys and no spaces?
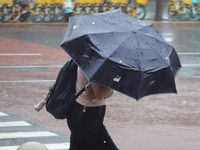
{"x":117,"y":79}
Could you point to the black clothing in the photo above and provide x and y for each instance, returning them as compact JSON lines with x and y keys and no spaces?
{"x":87,"y":129}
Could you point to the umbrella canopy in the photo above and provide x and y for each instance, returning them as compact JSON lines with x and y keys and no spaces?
{"x":122,"y":53}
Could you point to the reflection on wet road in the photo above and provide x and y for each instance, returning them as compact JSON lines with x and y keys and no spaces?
{"x":185,"y":39}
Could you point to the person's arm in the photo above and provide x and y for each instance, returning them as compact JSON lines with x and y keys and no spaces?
{"x":108,"y":94}
{"x":101,"y":92}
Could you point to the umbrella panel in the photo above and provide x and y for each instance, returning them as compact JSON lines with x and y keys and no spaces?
{"x":132,"y":80}
{"x":122,"y":53}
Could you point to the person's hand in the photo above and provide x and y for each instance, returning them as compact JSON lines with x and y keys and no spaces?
{"x":89,"y":91}
{"x":88,"y":87}
{"x":101,"y":92}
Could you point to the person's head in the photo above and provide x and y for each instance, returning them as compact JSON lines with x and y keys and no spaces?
{"x":32,"y":146}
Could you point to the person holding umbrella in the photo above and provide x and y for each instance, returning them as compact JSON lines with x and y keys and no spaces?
{"x":86,"y":118}
{"x":114,"y":51}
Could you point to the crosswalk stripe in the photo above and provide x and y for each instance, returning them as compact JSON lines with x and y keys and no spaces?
{"x":3,"y":114}
{"x":9,"y":147}
{"x":56,"y":146}
{"x":190,"y":65}
{"x":14,"y":124}
{"x":12,"y":130}
{"x":26,"y":134}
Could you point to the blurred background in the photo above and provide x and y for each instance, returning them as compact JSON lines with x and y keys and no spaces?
{"x":60,"y":10}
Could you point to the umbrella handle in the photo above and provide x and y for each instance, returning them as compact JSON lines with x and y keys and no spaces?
{"x":88,"y":86}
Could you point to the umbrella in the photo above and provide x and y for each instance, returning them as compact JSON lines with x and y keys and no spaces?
{"x":122,"y":53}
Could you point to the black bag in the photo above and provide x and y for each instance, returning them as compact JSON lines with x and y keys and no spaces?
{"x":62,"y":94}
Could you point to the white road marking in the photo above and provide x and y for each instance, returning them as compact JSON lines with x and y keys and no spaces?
{"x":188,"y":53}
{"x":190,"y":65}
{"x":26,"y":134}
{"x":59,"y":66}
{"x":22,"y":54}
{"x":27,"y":81}
{"x":53,"y":146}
{"x":49,"y":66}
{"x":57,"y":146}
{"x":14,"y":124}
{"x":33,"y":134}
{"x":8,"y":147}
{"x":3,"y":114}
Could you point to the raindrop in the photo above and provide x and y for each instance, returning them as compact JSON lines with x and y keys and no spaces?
{"x":85,"y":55}
{"x":75,"y":26}
{"x":120,"y":61}
{"x":152,"y":82}
{"x":167,"y":58}
{"x":148,"y":34}
{"x":93,"y":22}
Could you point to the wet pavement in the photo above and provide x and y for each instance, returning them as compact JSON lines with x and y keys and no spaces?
{"x":30,"y":58}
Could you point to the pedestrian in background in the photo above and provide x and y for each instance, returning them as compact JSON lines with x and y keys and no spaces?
{"x":68,"y":7}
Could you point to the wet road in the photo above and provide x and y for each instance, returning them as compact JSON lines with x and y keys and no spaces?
{"x":30,"y":58}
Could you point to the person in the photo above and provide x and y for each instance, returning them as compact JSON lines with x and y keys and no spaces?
{"x":86,"y":117}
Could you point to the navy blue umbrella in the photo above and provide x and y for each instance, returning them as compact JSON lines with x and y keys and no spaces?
{"x":122,"y":53}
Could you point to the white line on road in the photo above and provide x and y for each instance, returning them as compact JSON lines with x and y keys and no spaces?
{"x":27,"y":81}
{"x":53,"y":146}
{"x":189,"y":53}
{"x":26,"y":134}
{"x":14,"y":124}
{"x":57,"y":146}
{"x":190,"y":65}
{"x":59,"y":66}
{"x":8,"y":147}
{"x":22,"y":54}
{"x":3,"y":114}
{"x":49,"y":66}
{"x":38,"y":54}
